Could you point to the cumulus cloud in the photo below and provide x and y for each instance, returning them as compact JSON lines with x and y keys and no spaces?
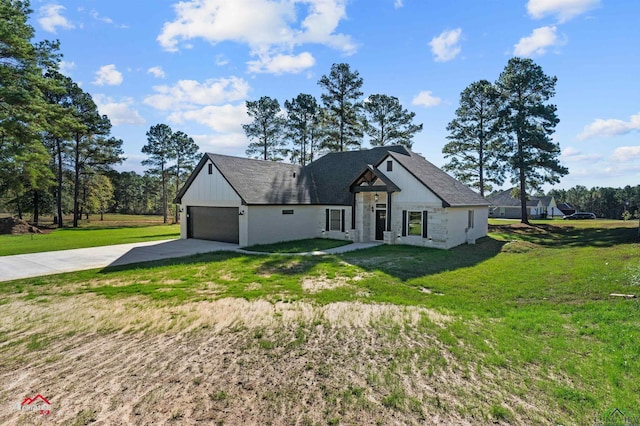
{"x":50,"y":18}
{"x":563,"y":10}
{"x":119,"y":112}
{"x":192,"y":93}
{"x":280,"y":64}
{"x":626,"y":153}
{"x":157,"y":72}
{"x":268,"y":27}
{"x":108,"y":75}
{"x":426,"y":99}
{"x":610,"y":127}
{"x":221,"y":118}
{"x":538,"y":42}
{"x":229,"y":144}
{"x":445,"y":46}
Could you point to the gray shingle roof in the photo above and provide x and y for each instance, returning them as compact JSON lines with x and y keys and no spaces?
{"x":326,"y":181}
{"x":452,"y":192}
{"x":504,"y":199}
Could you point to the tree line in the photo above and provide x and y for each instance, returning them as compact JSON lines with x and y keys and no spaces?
{"x":56,"y":150}
{"x":52,"y":138}
{"x":307,"y":128}
{"x":606,"y":202}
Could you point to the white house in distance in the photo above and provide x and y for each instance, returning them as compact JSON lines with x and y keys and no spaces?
{"x":386,"y":194}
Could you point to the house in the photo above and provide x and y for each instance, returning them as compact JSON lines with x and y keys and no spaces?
{"x":386,"y":194}
{"x":503,"y":205}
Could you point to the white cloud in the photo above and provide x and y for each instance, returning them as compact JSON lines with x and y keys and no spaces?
{"x":538,"y":42}
{"x":109,"y":75}
{"x":229,"y":144}
{"x":398,"y":4}
{"x":573,"y":155}
{"x":50,"y":17}
{"x":191,"y":93}
{"x":610,"y":127}
{"x":563,"y":10}
{"x":445,"y":46}
{"x":426,"y":99}
{"x":95,"y":15}
{"x":223,"y":118}
{"x":268,"y":27}
{"x":280,"y":64}
{"x":157,"y":72}
{"x":221,"y":60}
{"x":121,"y":112}
{"x":66,"y":67}
{"x":626,"y":154}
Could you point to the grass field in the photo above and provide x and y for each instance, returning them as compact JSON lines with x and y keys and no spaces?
{"x":520,"y":328}
{"x":114,"y":229}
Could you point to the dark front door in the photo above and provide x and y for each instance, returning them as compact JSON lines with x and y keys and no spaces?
{"x":381,"y":223}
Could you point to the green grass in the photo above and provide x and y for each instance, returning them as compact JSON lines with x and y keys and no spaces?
{"x":116,"y":229}
{"x":530,"y":305}
{"x":299,"y":246}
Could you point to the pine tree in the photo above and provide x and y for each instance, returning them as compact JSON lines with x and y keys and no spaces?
{"x":302,"y":112}
{"x":388,"y":123}
{"x":266,"y":130}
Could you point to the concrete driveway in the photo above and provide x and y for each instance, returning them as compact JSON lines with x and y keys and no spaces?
{"x":56,"y":262}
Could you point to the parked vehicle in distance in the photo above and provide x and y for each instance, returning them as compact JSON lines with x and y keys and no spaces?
{"x":579,"y":215}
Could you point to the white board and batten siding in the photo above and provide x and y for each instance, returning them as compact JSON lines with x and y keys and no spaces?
{"x":209,"y":190}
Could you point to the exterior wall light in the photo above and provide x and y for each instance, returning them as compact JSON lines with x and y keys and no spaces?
{"x":375,"y":197}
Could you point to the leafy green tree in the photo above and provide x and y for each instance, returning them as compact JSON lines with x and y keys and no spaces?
{"x":528,"y":122}
{"x":475,"y":142}
{"x":341,"y":100}
{"x":185,"y":155}
{"x":301,"y":129}
{"x":100,"y":194}
{"x":266,"y":130}
{"x":160,"y":152}
{"x":387,"y":123}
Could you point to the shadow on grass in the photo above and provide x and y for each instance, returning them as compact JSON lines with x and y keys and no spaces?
{"x":401,"y":262}
{"x":568,"y":236}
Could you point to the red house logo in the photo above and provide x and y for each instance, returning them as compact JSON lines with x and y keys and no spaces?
{"x":38,"y":403}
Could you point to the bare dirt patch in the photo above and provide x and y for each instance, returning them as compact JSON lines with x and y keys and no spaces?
{"x":15,"y":226}
{"x":233,"y":361}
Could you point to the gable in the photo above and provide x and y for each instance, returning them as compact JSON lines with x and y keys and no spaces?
{"x":207,"y":187}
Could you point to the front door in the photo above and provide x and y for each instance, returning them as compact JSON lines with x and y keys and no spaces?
{"x":381,"y":224}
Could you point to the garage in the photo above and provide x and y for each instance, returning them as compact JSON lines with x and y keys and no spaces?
{"x":213,"y":223}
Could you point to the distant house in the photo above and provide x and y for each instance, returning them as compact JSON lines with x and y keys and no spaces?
{"x":566,"y":208}
{"x":503,"y":205}
{"x":386,"y":194}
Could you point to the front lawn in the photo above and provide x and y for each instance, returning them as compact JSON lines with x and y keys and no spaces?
{"x":520,"y":328}
{"x":299,"y":246}
{"x":100,"y":235}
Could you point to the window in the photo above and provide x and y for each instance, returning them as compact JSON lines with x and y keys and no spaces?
{"x":287,"y":211}
{"x":415,"y":223}
{"x":335,"y":220}
{"x":210,"y":168}
{"x":381,"y":206}
{"x":470,"y":219}
{"x":389,"y":166}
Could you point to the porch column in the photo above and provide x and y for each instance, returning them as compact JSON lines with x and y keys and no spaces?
{"x":353,"y":211}
{"x":388,"y":211}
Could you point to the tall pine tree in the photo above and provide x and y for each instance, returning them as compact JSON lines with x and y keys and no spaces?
{"x":341,"y":100}
{"x":528,"y":121}
{"x":475,"y":143}
{"x":302,"y":123}
{"x":388,"y":123}
{"x":266,"y":130}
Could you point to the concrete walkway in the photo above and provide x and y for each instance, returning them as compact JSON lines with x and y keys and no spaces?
{"x":56,"y":262}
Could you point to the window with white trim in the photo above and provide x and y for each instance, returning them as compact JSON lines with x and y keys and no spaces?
{"x":470,"y":219}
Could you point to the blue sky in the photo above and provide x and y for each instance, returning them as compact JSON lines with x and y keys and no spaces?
{"x":193,"y":64}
